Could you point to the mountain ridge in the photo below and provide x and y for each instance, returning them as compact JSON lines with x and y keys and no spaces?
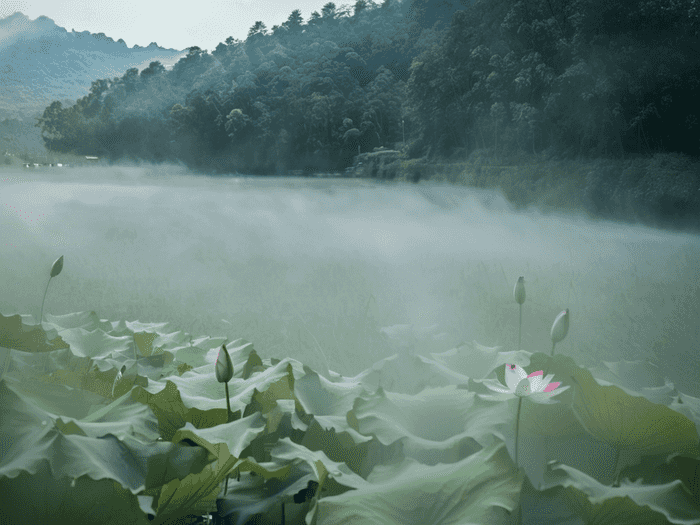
{"x":41,"y":61}
{"x":44,"y":24}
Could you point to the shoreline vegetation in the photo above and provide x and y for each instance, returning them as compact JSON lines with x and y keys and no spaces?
{"x":590,"y":106}
{"x":661,"y":191}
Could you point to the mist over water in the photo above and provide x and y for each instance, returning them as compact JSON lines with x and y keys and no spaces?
{"x":314,"y":268}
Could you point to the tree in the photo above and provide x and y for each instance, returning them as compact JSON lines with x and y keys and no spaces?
{"x":328,"y":12}
{"x":314,"y":18}
{"x":131,"y":80}
{"x":359,"y":7}
{"x":259,"y":28}
{"x":294,"y":21}
{"x":154,"y":68}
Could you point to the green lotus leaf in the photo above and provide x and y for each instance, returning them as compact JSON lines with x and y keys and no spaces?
{"x":477,"y":361}
{"x":473,"y":490}
{"x":631,"y":503}
{"x":144,"y":343}
{"x":249,"y":500}
{"x":237,"y":435}
{"x":625,"y":421}
{"x":80,"y":500}
{"x":438,"y":425}
{"x":14,"y":333}
{"x":266,"y":400}
{"x":96,"y":343}
{"x":359,"y":452}
{"x":613,"y":416}
{"x":52,"y":397}
{"x":81,"y":373}
{"x":196,"y":493}
{"x":182,"y":368}
{"x":252,"y":364}
{"x":32,"y":438}
{"x":323,"y":467}
{"x":689,"y":406}
{"x":89,"y":321}
{"x":321,"y":397}
{"x":172,"y":413}
{"x":69,"y":427}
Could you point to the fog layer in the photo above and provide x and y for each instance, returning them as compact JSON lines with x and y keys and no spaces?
{"x":314,"y":269}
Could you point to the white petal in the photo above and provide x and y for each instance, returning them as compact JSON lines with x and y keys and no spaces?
{"x":539,"y":383}
{"x":541,"y":397}
{"x":494,"y":385}
{"x":514,"y":376}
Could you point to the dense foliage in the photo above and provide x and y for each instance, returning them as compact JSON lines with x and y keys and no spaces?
{"x":585,"y":78}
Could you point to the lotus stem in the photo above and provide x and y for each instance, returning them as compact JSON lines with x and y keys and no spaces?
{"x":41,"y":314}
{"x":553,"y":345}
{"x":517,"y":429}
{"x":223,"y":370}
{"x":520,"y":325}
{"x":228,"y":404}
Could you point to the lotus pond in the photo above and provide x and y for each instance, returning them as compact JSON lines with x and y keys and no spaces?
{"x":114,"y":421}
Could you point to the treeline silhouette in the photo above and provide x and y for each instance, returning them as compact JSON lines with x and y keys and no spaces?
{"x":440,"y":79}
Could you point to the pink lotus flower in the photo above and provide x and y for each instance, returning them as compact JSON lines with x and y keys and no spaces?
{"x":520,"y":384}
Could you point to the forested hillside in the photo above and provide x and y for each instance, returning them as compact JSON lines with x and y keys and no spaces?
{"x":576,"y":79}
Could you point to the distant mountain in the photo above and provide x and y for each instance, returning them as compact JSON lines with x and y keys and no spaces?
{"x":41,"y":62}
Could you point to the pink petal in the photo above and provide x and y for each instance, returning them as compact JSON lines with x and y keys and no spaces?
{"x":551,"y":386}
{"x":538,"y":373}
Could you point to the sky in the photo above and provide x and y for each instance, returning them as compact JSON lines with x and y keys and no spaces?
{"x":177,"y":24}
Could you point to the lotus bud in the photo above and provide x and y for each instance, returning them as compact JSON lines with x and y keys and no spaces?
{"x":224,"y":366}
{"x":57,"y":266}
{"x":55,"y":270}
{"x":560,"y":328}
{"x":519,"y":291}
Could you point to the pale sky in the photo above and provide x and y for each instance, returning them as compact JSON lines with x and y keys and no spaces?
{"x":177,"y":24}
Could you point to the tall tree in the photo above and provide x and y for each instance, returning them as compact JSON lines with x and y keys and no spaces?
{"x":294,"y":21}
{"x":259,"y":28}
{"x":329,"y":11}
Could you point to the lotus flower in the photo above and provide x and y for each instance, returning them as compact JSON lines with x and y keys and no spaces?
{"x":521,"y":385}
{"x":560,"y":328}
